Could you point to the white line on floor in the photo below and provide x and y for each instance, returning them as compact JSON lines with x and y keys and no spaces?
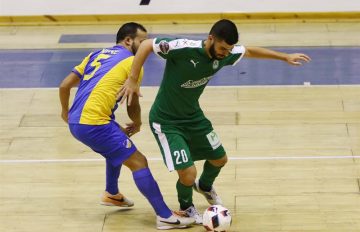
{"x":159,"y":159}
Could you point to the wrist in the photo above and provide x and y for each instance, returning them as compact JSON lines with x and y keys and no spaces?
{"x":287,"y":56}
{"x":133,"y":78}
{"x":138,"y":123}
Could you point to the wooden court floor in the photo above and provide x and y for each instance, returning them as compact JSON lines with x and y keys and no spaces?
{"x":294,"y":163}
{"x":294,"y":156}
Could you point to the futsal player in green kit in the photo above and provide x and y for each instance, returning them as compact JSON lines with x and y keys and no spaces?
{"x":180,"y":127}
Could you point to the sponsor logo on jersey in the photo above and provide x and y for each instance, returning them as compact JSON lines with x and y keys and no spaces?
{"x":164,"y":47}
{"x":195,"y":84}
{"x":194,"y":63}
{"x":193,"y":43}
{"x":215,"y":64}
{"x":177,"y":43}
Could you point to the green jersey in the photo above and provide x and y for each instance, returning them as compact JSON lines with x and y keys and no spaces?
{"x":188,"y":70}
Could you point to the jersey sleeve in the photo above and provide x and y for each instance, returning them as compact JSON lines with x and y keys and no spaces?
{"x":237,"y":53}
{"x":168,"y":48}
{"x":79,"y":69}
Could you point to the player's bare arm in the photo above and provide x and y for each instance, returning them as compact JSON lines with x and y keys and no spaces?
{"x":131,"y":85}
{"x":264,"y":53}
{"x":134,"y":113}
{"x":69,"y":82}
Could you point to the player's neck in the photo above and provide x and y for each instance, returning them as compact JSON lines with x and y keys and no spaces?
{"x":207,"y":48}
{"x":124,"y":45}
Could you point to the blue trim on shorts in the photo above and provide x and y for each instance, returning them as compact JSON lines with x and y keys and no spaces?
{"x":108,"y":140}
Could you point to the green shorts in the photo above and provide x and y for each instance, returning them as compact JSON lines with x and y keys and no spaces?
{"x":183,"y":144}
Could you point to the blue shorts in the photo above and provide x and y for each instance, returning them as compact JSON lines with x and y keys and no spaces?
{"x":108,"y":140}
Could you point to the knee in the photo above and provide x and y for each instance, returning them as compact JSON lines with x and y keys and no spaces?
{"x":136,"y":161}
{"x":219,"y":162}
{"x":224,"y":160}
{"x":187,"y":176}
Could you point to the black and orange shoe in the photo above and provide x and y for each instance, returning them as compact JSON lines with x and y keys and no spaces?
{"x":116,"y":200}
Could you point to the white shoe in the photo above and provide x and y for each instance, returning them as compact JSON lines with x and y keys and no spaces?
{"x":210,"y":196}
{"x":173,"y":222}
{"x":193,"y":213}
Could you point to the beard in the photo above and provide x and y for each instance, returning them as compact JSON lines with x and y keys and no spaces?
{"x":133,"y":48}
{"x":213,"y":53}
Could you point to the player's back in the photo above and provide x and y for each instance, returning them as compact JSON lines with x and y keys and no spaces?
{"x":102,"y":74}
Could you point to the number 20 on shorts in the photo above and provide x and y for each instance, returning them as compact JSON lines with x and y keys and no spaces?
{"x":180,"y":156}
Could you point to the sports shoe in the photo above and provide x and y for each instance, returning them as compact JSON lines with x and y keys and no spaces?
{"x":193,"y":213}
{"x":210,"y":196}
{"x":116,"y":200}
{"x":176,"y":220}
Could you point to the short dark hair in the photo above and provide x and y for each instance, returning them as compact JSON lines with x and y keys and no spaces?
{"x":128,"y":29}
{"x":225,"y":29}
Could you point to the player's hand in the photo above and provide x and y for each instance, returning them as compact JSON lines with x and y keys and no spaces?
{"x":65,"y":115}
{"x":130,"y":88}
{"x":132,"y":128}
{"x":297,"y":59}
{"x":123,"y":129}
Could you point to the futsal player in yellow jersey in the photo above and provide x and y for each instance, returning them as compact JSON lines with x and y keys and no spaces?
{"x":91,"y":120}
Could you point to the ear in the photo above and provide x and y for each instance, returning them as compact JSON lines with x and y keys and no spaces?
{"x":128,"y":41}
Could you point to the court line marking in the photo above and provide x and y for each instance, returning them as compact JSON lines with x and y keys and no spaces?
{"x":212,"y":86}
{"x":160,"y":159}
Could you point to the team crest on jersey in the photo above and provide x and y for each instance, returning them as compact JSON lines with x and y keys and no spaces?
{"x":164,"y":47}
{"x":215,"y":64}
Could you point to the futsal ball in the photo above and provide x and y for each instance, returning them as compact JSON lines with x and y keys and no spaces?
{"x":217,"y":218}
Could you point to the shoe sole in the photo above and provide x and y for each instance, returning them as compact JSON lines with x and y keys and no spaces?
{"x":111,"y":204}
{"x":170,"y":227}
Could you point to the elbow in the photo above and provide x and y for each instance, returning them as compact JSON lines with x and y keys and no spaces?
{"x":70,"y":81}
{"x":64,"y":87}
